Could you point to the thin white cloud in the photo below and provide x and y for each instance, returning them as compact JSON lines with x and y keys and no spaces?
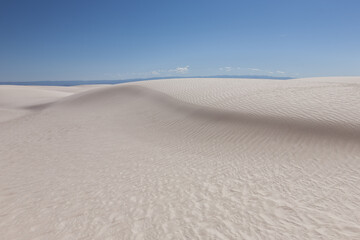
{"x":181,"y":70}
{"x":226,"y":69}
{"x":255,"y":69}
{"x":280,"y":72}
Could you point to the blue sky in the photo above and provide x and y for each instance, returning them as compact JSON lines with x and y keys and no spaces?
{"x":91,"y":40}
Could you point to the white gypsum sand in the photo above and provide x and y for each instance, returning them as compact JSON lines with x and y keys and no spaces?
{"x":182,"y":159}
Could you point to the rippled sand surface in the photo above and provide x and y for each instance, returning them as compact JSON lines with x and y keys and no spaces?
{"x":182,"y":159}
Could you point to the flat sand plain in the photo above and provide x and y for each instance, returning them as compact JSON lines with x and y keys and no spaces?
{"x":181,"y":159}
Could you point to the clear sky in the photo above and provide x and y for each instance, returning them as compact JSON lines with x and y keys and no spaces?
{"x":88,"y":40}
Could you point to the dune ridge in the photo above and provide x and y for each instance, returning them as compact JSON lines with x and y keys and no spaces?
{"x":281,"y":123}
{"x":184,"y":159}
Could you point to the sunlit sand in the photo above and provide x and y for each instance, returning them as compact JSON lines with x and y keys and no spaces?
{"x":181,"y":159}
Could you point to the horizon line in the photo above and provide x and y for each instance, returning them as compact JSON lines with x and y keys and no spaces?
{"x":105,"y":81}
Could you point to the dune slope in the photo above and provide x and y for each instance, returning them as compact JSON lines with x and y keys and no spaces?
{"x":18,"y":101}
{"x":184,"y":159}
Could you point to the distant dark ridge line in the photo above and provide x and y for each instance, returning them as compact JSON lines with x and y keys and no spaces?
{"x":91,"y":82}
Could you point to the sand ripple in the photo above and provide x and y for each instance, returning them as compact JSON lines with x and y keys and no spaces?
{"x":183,"y":159}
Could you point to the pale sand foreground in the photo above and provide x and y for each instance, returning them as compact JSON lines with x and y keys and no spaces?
{"x":182,"y":159}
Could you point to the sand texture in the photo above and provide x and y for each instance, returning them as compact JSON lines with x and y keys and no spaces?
{"x":181,"y":159}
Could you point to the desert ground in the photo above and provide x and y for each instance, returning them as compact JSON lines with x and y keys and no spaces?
{"x":181,"y":159}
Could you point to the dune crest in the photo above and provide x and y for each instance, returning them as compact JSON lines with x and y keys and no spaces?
{"x":182,"y":159}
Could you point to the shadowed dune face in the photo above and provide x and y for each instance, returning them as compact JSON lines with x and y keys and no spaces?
{"x":18,"y":101}
{"x":187,"y":158}
{"x":170,"y":106}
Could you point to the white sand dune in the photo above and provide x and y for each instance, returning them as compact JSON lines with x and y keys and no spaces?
{"x":182,"y":159}
{"x":17,"y":101}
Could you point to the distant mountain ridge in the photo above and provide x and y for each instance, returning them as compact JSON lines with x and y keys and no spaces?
{"x":90,"y":82}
